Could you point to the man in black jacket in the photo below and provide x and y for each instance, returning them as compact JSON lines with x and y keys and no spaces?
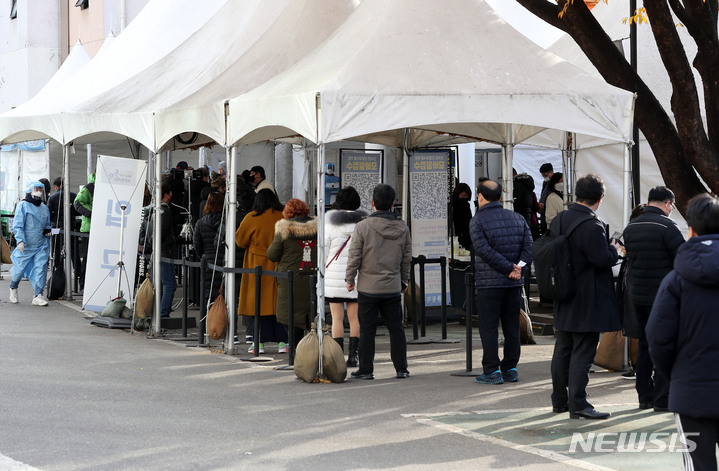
{"x":502,"y":245}
{"x":652,"y":241}
{"x":580,"y":319}
{"x":682,"y":331}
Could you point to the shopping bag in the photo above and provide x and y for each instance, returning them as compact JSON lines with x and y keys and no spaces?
{"x":610,"y":351}
{"x":217,"y":318}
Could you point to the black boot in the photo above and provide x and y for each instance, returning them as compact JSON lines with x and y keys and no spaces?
{"x":341,"y":342}
{"x":352,"y":356}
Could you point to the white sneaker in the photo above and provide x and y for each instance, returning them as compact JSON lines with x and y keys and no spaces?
{"x":282,"y":347}
{"x":252,"y":348}
{"x":13,"y":295}
{"x":39,"y":300}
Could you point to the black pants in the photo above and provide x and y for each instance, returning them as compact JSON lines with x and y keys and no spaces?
{"x":391,"y":311}
{"x":705,"y":435}
{"x":499,"y":305}
{"x":573,"y":357}
{"x":650,"y":389}
{"x":83,"y":244}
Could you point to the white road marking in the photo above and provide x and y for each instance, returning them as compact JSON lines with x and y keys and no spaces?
{"x":423,"y":419}
{"x":9,"y":464}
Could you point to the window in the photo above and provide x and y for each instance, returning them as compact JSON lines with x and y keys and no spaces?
{"x":13,"y":10}
{"x":83,"y":4}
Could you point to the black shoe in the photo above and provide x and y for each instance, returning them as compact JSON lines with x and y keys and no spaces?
{"x":589,"y":413}
{"x":359,"y":375}
{"x":402,"y":374}
{"x":661,"y":409}
{"x":560,"y":409}
{"x":646,"y":405}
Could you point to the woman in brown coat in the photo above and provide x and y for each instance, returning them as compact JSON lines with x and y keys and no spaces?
{"x":294,"y":247}
{"x":255,"y":235}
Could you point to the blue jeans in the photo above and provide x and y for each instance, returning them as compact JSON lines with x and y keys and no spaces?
{"x":169,"y":285}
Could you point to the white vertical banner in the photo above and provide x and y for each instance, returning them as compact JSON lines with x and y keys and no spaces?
{"x":118,"y":182}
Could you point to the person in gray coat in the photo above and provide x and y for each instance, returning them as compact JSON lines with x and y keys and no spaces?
{"x":580,"y":319}
{"x":381,"y":251}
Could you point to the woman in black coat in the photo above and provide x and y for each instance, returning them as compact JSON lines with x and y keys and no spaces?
{"x":462,"y":213}
{"x":205,"y":242}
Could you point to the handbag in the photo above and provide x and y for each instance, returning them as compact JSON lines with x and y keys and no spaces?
{"x":57,"y":281}
{"x":217,"y":321}
{"x":610,"y":351}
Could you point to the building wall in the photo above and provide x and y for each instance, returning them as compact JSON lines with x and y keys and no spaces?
{"x":34,"y":45}
{"x":29,"y":49}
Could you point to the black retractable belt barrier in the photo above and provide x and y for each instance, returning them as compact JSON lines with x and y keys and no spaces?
{"x":469,"y":282}
{"x":419,"y":311}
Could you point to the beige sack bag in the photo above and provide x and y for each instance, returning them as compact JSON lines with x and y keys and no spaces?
{"x":145,"y":299}
{"x":333,"y":360}
{"x":307,"y":357}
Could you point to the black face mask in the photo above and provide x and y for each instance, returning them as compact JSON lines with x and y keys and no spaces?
{"x":464,"y":199}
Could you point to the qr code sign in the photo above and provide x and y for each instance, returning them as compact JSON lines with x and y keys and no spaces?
{"x":364,"y":183}
{"x":429,"y":195}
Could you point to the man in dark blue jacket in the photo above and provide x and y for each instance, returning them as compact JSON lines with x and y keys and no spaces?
{"x":580,"y":319}
{"x":503,"y":245}
{"x":651,"y":241}
{"x":682,"y":334}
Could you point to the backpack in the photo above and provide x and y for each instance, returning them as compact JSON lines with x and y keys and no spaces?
{"x":553,"y":262}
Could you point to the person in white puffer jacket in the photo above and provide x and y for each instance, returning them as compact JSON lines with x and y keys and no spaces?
{"x":340,"y":222}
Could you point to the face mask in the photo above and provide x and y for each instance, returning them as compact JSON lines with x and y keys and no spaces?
{"x":546,"y":179}
{"x":559,"y":186}
{"x":464,"y":199}
{"x":37,"y":194}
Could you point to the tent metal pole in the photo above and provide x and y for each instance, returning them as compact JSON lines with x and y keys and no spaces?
{"x":156,"y":246}
{"x":230,"y":225}
{"x":508,"y":155}
{"x":405,"y":178}
{"x":568,"y":178}
{"x":67,"y":227}
{"x":321,"y":245}
{"x":89,"y":160}
{"x":627,"y":198}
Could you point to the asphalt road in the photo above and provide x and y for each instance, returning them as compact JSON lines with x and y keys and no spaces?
{"x":78,"y":397}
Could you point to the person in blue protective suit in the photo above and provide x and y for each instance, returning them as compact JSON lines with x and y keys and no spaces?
{"x":32,"y":232}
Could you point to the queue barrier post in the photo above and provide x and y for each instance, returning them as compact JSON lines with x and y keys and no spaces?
{"x":469,"y":283}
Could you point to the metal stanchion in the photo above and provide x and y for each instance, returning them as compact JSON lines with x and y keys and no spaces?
{"x":290,"y":320}
{"x":443,"y":270}
{"x":256,"y":335}
{"x":469,"y":282}
{"x":417,"y":307}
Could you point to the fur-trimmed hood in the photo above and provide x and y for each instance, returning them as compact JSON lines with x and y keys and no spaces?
{"x":337,"y":217}
{"x":297,"y":228}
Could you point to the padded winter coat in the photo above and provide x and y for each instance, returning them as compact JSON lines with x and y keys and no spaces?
{"x":288,"y":249}
{"x":381,"y":250}
{"x":83,"y":203}
{"x":652,"y":241}
{"x":255,"y":235}
{"x":205,"y":242}
{"x":683,"y":325}
{"x":501,"y":239}
{"x":339,"y":227}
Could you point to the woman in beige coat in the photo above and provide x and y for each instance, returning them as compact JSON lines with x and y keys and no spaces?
{"x":255,"y":235}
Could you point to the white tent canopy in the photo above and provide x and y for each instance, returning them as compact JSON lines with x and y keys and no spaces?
{"x":159,"y":28}
{"x":445,"y":67}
